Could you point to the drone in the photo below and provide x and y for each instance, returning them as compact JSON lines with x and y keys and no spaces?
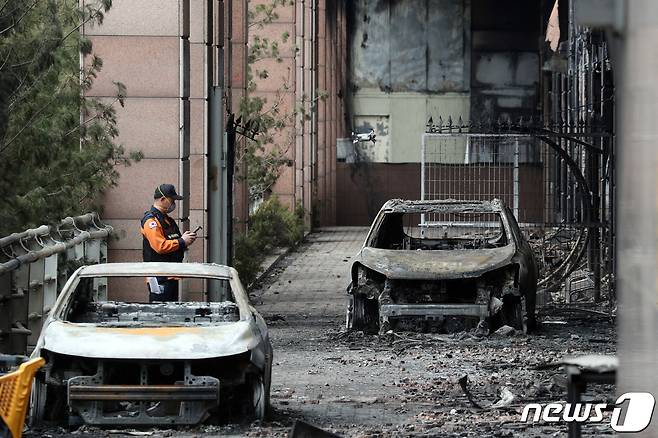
{"x":367,"y":136}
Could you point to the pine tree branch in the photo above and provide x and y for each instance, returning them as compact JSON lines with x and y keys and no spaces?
{"x":91,"y":119}
{"x":87,"y":20}
{"x":16,"y":92}
{"x":6,"y":59}
{"x":2,"y":8}
{"x":12,"y":11}
{"x":34,"y":116}
{"x":59,"y":43}
{"x":15,"y":23}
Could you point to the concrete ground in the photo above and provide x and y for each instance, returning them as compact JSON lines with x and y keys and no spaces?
{"x":405,"y":383}
{"x":400,"y":384}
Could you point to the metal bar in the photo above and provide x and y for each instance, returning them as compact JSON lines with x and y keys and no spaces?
{"x":60,"y":247}
{"x":83,"y":220}
{"x":574,"y":136}
{"x":393,"y":310}
{"x":515,"y":178}
{"x":218,"y":175}
{"x":143,"y":392}
{"x":184,"y":114}
{"x":423,"y":162}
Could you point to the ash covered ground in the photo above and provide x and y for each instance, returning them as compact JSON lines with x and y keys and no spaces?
{"x":397,"y":384}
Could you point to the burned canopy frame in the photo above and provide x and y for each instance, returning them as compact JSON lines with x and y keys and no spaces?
{"x":487,"y":162}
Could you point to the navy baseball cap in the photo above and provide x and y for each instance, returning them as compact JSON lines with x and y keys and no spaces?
{"x":166,"y":190}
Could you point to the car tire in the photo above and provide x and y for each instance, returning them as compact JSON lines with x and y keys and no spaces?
{"x":349,"y":322}
{"x":259,"y":397}
{"x":362,"y":314}
{"x":530,"y":318}
{"x":37,"y":408}
{"x":513,"y":313}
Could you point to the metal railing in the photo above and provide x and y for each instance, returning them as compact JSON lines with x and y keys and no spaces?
{"x":34,"y":266}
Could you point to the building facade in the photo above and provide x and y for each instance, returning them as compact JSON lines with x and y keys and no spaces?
{"x":169,"y":54}
{"x":415,"y":61}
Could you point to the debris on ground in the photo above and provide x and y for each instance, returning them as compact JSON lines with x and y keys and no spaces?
{"x":406,"y":384}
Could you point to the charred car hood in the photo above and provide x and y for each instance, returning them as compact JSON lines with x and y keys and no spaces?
{"x":435,"y":264}
{"x":189,"y":342}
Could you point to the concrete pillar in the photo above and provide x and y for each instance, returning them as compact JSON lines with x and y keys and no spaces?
{"x":637,"y":208}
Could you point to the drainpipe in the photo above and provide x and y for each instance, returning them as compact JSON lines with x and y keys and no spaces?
{"x":218,"y":172}
{"x":184,"y":116}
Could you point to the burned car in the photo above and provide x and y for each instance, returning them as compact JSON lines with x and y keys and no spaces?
{"x":129,"y":362}
{"x":443,"y":266}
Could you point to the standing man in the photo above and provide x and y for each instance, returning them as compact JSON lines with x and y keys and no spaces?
{"x":163,"y":242}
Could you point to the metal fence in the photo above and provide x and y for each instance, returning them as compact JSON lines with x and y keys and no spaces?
{"x":557,"y":185}
{"x":470,"y":166}
{"x":34,"y":266}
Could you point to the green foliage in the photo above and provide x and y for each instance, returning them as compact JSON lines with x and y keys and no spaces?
{"x":271,"y":226}
{"x":261,"y":14}
{"x":53,"y":162}
{"x":264,"y":159}
{"x":274,"y":225}
{"x":266,"y":155}
{"x":247,"y":258}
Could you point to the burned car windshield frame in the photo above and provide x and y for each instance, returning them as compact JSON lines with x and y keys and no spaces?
{"x":62,"y":303}
{"x":428,"y":207}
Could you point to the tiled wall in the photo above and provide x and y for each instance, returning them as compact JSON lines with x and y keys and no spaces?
{"x":140,"y":43}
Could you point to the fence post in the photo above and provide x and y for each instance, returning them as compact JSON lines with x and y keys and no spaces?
{"x":516,"y":179}
{"x":35,"y":302}
{"x":49,"y":283}
{"x":5,"y":302}
{"x":422,"y":180}
{"x":92,"y":249}
{"x":19,"y":309}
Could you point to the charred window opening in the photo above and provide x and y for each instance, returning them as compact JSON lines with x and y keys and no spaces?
{"x":117,"y":314}
{"x":435,"y":292}
{"x":87,"y":307}
{"x":441,"y":231}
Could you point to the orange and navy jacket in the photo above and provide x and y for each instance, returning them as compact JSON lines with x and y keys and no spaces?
{"x":162,"y":240}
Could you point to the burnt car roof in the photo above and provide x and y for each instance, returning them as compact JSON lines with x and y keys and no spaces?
{"x":442,"y":206}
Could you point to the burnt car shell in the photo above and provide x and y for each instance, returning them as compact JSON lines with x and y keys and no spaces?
{"x":494,"y":283}
{"x":169,"y":363}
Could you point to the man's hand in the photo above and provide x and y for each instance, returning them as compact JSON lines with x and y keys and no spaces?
{"x":189,"y":238}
